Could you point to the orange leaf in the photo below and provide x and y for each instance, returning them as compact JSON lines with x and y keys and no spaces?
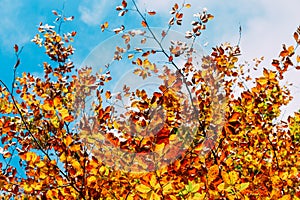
{"x":210,"y":17}
{"x":68,"y":118}
{"x":144,"y":24}
{"x":7,"y":155}
{"x":139,"y":62}
{"x":68,"y":140}
{"x":234,"y":117}
{"x":176,"y":6}
{"x":108,"y":94}
{"x":213,"y":173}
{"x":298,"y":58}
{"x":151,"y":12}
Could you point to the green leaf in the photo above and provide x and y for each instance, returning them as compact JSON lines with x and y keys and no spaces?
{"x":243,"y":186}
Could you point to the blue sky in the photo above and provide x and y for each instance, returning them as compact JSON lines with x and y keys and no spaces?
{"x":266,"y":26}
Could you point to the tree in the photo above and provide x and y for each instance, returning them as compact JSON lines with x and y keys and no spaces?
{"x":192,"y":138}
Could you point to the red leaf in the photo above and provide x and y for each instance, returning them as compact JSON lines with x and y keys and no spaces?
{"x":73,"y":33}
{"x":151,"y":12}
{"x":124,"y":3}
{"x":54,"y":12}
{"x":170,"y":58}
{"x":16,"y":48}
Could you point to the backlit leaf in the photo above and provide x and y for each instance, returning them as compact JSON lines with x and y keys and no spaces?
{"x":142,"y":188}
{"x":144,"y":24}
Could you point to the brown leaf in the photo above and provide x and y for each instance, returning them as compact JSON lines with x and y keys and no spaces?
{"x":171,"y":21}
{"x":296,"y":36}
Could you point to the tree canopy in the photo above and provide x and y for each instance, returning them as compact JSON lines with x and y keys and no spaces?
{"x":191,"y":135}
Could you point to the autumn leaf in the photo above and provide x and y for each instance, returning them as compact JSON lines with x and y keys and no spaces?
{"x":108,"y":95}
{"x":187,"y":5}
{"x":68,"y":140}
{"x":104,"y":26}
{"x":142,"y":188}
{"x":151,"y":13}
{"x":213,"y":173}
{"x":144,"y":24}
{"x":16,"y":48}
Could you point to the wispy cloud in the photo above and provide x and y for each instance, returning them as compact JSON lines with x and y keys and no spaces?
{"x":92,"y":12}
{"x":13,"y":30}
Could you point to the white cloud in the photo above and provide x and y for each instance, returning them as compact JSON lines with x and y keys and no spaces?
{"x":13,"y":30}
{"x":94,"y":11}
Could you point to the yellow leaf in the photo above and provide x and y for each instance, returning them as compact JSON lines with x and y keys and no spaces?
{"x":75,"y":147}
{"x":55,"y":121}
{"x":173,"y":197}
{"x":293,"y":171}
{"x":91,"y":179}
{"x":153,"y":181}
{"x":286,"y":197}
{"x":221,"y":187}
{"x":57,"y":102}
{"x":59,"y":181}
{"x":75,"y":164}
{"x":37,"y":186}
{"x":40,"y":164}
{"x":168,"y":188}
{"x":43,"y":175}
{"x":199,"y":196}
{"x":213,"y":173}
{"x":225,"y":177}
{"x":159,"y":148}
{"x":64,"y":112}
{"x":187,"y":5}
{"x":142,"y":188}
{"x":243,"y":186}
{"x":68,"y":140}
{"x":234,"y":176}
{"x":262,"y":81}
{"x":195,"y":188}
{"x":154,"y":196}
{"x":106,"y":25}
{"x":28,"y":188}
{"x":30,"y":156}
{"x":62,"y":157}
{"x":47,"y":107}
